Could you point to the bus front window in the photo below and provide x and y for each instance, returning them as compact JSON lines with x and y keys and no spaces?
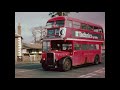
{"x":49,"y":24}
{"x":46,"y":46}
{"x":61,"y":46}
{"x":60,"y":23}
{"x":56,"y":46}
{"x":67,"y":47}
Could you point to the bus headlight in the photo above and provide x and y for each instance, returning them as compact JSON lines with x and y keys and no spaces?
{"x":43,"y":58}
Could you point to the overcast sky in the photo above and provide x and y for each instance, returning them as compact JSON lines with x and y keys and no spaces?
{"x":34,"y":19}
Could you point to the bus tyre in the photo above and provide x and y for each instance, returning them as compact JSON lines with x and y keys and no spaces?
{"x":96,"y":60}
{"x":65,"y":64}
{"x":45,"y":67}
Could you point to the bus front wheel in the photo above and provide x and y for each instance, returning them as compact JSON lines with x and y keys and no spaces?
{"x":65,"y":64}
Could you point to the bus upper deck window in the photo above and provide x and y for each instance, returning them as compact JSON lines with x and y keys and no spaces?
{"x":96,"y":29}
{"x":60,"y":23}
{"x":84,"y":26}
{"x":89,"y":27}
{"x":101,"y":30}
{"x":69,"y":23}
{"x":50,"y":24}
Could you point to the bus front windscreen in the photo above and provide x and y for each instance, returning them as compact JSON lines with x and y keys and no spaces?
{"x":46,"y":45}
{"x":60,"y":23}
{"x":49,"y":24}
{"x":61,"y":45}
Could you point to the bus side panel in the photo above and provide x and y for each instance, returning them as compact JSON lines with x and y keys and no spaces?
{"x":69,"y":32}
{"x":93,"y":53}
{"x":78,"y":57}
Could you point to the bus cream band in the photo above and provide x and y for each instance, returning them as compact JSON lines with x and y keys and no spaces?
{"x":80,"y":34}
{"x":74,"y":39}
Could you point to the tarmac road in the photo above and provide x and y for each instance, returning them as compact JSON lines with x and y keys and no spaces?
{"x":34,"y":70}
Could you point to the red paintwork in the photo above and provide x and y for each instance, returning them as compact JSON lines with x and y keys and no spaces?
{"x":56,"y":18}
{"x":73,"y":19}
{"x":78,"y":56}
{"x":60,"y":54}
{"x":69,"y":31}
{"x":81,"y":55}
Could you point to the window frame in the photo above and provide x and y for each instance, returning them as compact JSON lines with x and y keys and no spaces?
{"x":93,"y":47}
{"x":90,"y":26}
{"x":85,"y":45}
{"x":59,"y":20}
{"x":79,"y":46}
{"x":67,"y":25}
{"x":51,"y":25}
{"x":75,"y":23}
{"x":83,"y":24}
{"x":96,"y":29}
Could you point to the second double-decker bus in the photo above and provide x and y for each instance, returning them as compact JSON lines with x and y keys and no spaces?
{"x":71,"y":42}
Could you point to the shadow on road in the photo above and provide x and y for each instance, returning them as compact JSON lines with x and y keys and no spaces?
{"x":28,"y":66}
{"x":77,"y":67}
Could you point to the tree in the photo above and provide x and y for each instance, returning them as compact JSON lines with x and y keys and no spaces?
{"x":34,"y":35}
{"x":53,"y":14}
{"x":38,"y":33}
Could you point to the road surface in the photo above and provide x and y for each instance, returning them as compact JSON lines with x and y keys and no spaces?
{"x":34,"y":70}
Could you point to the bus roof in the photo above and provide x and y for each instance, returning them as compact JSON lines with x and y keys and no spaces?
{"x":74,"y":19}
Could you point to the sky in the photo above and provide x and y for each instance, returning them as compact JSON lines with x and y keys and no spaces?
{"x":29,"y":20}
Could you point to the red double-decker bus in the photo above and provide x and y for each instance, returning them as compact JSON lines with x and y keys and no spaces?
{"x":71,"y":42}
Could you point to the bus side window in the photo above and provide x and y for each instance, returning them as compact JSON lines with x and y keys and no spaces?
{"x":76,"y":25}
{"x":84,"y":47}
{"x":77,"y":47}
{"x":92,"y":47}
{"x":97,"y":46}
{"x":96,"y":29}
{"x":89,"y":27}
{"x":83,"y":26}
{"x":69,"y":23}
{"x":101,"y":30}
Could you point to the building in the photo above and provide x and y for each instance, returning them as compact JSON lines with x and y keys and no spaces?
{"x":18,"y":45}
{"x":31,"y":52}
{"x":26,"y":52}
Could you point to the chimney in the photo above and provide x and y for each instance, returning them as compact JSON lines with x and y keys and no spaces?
{"x":19,"y":29}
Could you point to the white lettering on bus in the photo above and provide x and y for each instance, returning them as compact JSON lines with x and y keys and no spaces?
{"x":85,"y":35}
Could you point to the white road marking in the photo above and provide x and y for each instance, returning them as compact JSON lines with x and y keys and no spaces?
{"x":82,"y":76}
{"x":28,"y":70}
{"x":21,"y":71}
{"x":99,"y":71}
{"x":87,"y":76}
{"x":92,"y":74}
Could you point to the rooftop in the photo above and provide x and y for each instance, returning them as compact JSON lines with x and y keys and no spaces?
{"x":17,"y":35}
{"x":32,"y":46}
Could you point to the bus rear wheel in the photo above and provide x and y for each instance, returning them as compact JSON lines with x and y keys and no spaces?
{"x":96,"y":60}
